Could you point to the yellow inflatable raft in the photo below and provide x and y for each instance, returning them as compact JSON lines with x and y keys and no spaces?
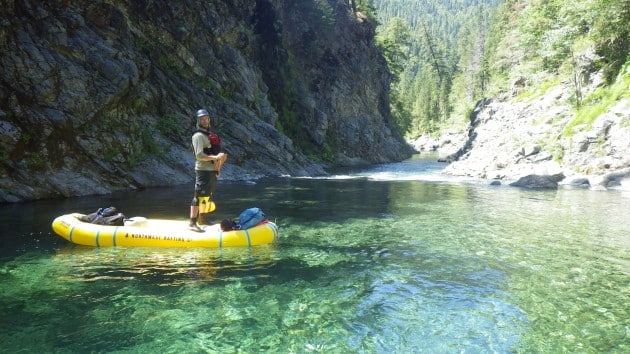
{"x":141,"y":232}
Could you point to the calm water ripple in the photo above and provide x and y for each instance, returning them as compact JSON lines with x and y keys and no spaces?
{"x":393,"y":259}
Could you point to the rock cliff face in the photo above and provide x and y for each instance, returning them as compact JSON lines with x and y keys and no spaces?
{"x":510,"y":138}
{"x":97,"y":96}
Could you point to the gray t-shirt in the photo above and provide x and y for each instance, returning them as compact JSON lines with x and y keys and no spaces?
{"x":199,"y":142}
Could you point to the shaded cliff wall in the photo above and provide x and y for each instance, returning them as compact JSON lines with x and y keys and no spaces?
{"x":319,"y":59}
{"x":99,"y":96}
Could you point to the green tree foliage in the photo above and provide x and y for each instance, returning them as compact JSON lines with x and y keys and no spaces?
{"x":554,"y":29}
{"x":394,"y":42}
{"x":555,"y":40}
{"x":366,"y":7}
{"x":611,"y":31}
{"x":444,"y":69}
{"x":462,"y":50}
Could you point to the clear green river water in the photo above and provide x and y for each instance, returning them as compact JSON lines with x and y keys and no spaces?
{"x":391,"y":259}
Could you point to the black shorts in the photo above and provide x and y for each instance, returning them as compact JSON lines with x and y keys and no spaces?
{"x":205,"y":182}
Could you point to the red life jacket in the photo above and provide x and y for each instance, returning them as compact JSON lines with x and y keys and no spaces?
{"x":215,"y":142}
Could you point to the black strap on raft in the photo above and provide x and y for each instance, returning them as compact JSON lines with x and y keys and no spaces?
{"x":105,"y":216}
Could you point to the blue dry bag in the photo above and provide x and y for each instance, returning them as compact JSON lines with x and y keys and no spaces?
{"x":250,"y":218}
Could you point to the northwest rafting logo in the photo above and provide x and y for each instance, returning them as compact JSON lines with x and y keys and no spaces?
{"x":157,"y":237}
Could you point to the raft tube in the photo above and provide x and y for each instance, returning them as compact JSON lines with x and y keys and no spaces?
{"x":141,"y":232}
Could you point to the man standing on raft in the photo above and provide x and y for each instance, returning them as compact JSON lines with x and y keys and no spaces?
{"x":206,"y":147}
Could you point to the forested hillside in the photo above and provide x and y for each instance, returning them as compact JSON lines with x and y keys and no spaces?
{"x":515,"y":87}
{"x":447,"y":54}
{"x":437,"y":52}
{"x":551,"y":93}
